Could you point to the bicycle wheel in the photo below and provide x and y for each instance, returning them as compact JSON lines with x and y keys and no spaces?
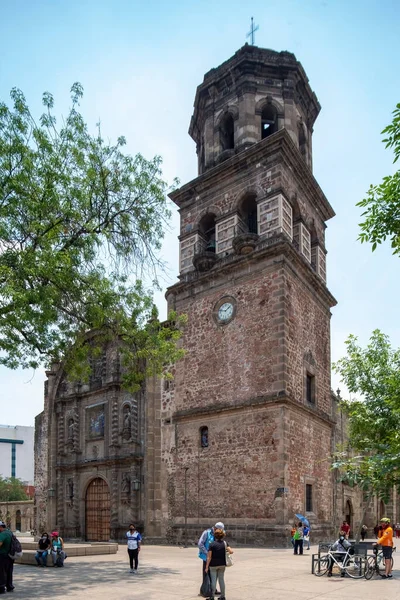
{"x":380,"y":563}
{"x":321,"y":566}
{"x":369,"y":567}
{"x":355,"y":568}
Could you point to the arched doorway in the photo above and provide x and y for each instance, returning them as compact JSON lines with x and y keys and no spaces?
{"x":18,"y":521}
{"x":348,"y":512}
{"x":97,"y":504}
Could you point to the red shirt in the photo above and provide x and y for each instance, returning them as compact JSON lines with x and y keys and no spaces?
{"x":345,"y":528}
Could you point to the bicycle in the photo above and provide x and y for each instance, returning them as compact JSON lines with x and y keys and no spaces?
{"x":376,"y":564}
{"x":352,"y":565}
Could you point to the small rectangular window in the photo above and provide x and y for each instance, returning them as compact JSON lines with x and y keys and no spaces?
{"x":309,"y":498}
{"x":310,"y":388}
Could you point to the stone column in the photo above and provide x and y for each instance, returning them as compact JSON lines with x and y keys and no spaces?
{"x":114,"y":502}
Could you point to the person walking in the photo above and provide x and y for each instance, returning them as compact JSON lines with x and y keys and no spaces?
{"x":386,"y":541}
{"x":206,"y":538}
{"x":397,"y":530}
{"x":292,"y":532}
{"x":134,"y":541}
{"x":298,"y":539}
{"x":44,"y":545}
{"x":6,"y":563}
{"x":306,"y":536}
{"x":216,"y":562}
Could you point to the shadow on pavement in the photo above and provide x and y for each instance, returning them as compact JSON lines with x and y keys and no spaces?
{"x":29,"y":580}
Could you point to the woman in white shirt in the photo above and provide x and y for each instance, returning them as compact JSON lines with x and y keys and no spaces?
{"x":134,"y":540}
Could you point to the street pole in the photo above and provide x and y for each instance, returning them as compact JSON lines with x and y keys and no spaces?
{"x":186,"y":470}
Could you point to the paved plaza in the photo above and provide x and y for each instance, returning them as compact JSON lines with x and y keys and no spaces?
{"x":173,"y":573}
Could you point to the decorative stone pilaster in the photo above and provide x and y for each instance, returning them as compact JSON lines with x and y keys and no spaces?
{"x":114,"y":501}
{"x":76,"y":506}
{"x":60,"y":430}
{"x":76,"y":445}
{"x":60,"y":501}
{"x":114,"y":422}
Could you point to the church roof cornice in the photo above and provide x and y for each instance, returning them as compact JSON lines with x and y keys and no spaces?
{"x":280,"y":142}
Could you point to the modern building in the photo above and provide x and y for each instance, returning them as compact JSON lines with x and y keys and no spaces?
{"x":16,"y":452}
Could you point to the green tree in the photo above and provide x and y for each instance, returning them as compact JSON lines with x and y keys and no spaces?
{"x":12,"y":489}
{"x":372,"y":459}
{"x":80,"y":222}
{"x":382,"y":204}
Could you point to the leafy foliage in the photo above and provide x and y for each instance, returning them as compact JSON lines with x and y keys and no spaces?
{"x":372,"y":460}
{"x":79,"y":222}
{"x":12,"y":489}
{"x":382,"y":214}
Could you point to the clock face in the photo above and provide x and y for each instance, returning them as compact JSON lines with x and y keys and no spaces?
{"x":225,"y":312}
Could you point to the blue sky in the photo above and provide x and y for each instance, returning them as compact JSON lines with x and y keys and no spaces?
{"x":140,"y":64}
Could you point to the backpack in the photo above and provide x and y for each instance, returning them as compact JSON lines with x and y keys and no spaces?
{"x":15,"y":548}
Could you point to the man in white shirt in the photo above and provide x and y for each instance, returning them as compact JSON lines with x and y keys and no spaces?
{"x":134,"y":540}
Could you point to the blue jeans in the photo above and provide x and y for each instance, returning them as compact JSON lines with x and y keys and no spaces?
{"x":217,"y":572}
{"x":41,"y":557}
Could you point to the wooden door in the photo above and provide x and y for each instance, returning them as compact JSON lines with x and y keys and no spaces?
{"x":98,"y":511}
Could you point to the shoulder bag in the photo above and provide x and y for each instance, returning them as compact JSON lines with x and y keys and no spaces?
{"x":228,"y":557}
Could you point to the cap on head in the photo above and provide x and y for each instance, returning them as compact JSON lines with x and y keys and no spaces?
{"x":219,"y":525}
{"x":385,"y":520}
{"x":54,"y":534}
{"x":2,"y":524}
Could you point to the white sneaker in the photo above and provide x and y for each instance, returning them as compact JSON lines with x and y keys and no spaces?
{"x":131,"y":571}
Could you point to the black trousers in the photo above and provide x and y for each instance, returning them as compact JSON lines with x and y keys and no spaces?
{"x":133,"y":556}
{"x":6,"y":573}
{"x":298,"y":545}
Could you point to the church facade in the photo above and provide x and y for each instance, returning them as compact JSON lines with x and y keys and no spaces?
{"x":245,"y":431}
{"x":94,"y":449}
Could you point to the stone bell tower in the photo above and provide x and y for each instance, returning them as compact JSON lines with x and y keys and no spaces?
{"x":247,"y":423}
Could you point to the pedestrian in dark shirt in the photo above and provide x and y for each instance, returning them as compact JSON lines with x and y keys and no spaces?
{"x":6,"y":563}
{"x":216,"y":562}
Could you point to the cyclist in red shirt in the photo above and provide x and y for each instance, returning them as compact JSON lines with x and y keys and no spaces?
{"x":386,"y":541}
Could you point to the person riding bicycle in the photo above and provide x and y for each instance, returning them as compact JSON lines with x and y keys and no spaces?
{"x":386,"y":541}
{"x":339,"y":550}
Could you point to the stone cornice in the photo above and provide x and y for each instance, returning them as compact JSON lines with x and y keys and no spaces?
{"x":101,"y":462}
{"x":276,"y":246}
{"x":278,"y":143}
{"x":271,"y":400}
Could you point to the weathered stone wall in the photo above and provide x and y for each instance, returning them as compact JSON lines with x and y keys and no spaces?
{"x":307,"y":344}
{"x":231,"y":364}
